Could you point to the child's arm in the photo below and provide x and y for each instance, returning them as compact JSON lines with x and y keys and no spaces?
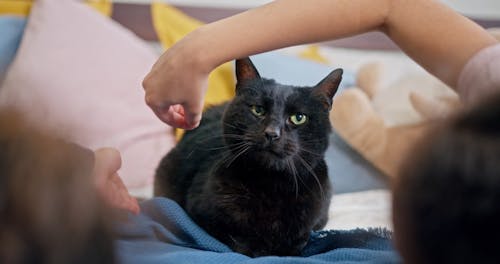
{"x":432,"y":34}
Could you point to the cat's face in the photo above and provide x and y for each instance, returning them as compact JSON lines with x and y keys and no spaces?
{"x":278,"y":125}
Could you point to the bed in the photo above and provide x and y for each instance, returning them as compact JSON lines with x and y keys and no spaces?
{"x":73,"y":73}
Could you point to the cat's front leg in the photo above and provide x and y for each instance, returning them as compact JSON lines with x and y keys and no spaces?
{"x":257,"y":247}
{"x":241,"y":245}
{"x":323,"y":217}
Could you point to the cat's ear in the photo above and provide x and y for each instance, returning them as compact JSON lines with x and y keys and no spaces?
{"x":327,"y":87}
{"x":245,"y":70}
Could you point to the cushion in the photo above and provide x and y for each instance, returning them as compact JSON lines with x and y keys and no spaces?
{"x":11,"y":30}
{"x":79,"y":73}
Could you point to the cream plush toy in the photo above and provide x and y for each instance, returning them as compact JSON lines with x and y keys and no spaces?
{"x":382,"y":121}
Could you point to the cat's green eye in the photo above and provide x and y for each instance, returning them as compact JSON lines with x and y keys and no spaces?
{"x":298,"y":119}
{"x":258,"y":110}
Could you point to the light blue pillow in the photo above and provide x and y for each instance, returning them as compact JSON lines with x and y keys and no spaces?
{"x":348,"y":170}
{"x":11,"y":32}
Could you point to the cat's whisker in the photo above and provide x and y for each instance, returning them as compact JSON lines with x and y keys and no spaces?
{"x":190,"y":154}
{"x":243,"y":131}
{"x":217,"y":148}
{"x":206,"y":139}
{"x":313,"y":141}
{"x":228,"y":154}
{"x":245,"y":149}
{"x":238,"y":146}
{"x":293,"y":169}
{"x":308,"y":167}
{"x":234,"y":136}
{"x":235,"y":145}
{"x":225,"y":156}
{"x":209,"y":137}
{"x":231,"y":125}
{"x":302,"y":149}
{"x":301,"y":180}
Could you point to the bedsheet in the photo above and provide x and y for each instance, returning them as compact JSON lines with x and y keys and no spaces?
{"x":164,"y":233}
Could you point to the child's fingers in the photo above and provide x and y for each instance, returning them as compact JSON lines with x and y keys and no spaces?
{"x":163,"y":113}
{"x":109,"y":183}
{"x":120,"y":197}
{"x":192,"y":114}
{"x":178,"y":118}
{"x":126,"y":201}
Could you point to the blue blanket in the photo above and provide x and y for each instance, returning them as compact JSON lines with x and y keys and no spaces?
{"x":164,"y":233}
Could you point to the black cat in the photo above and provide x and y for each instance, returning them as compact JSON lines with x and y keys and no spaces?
{"x":253,"y":173}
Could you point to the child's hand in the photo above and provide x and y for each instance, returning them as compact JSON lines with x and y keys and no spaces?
{"x":176,"y":85}
{"x":109,"y":184}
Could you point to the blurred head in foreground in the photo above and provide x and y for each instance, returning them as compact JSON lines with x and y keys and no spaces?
{"x":50,"y":211}
{"x":446,"y":203}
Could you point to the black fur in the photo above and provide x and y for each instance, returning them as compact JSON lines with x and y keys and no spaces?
{"x":257,"y":183}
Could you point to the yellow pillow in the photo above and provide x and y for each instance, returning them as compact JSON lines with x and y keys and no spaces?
{"x":312,"y":52}
{"x":22,"y":7}
{"x":171,"y":25}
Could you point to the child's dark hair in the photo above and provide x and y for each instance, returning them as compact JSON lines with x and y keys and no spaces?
{"x":50,"y":211}
{"x":446,"y":204}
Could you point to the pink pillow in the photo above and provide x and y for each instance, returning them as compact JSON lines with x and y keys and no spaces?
{"x":79,"y":73}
